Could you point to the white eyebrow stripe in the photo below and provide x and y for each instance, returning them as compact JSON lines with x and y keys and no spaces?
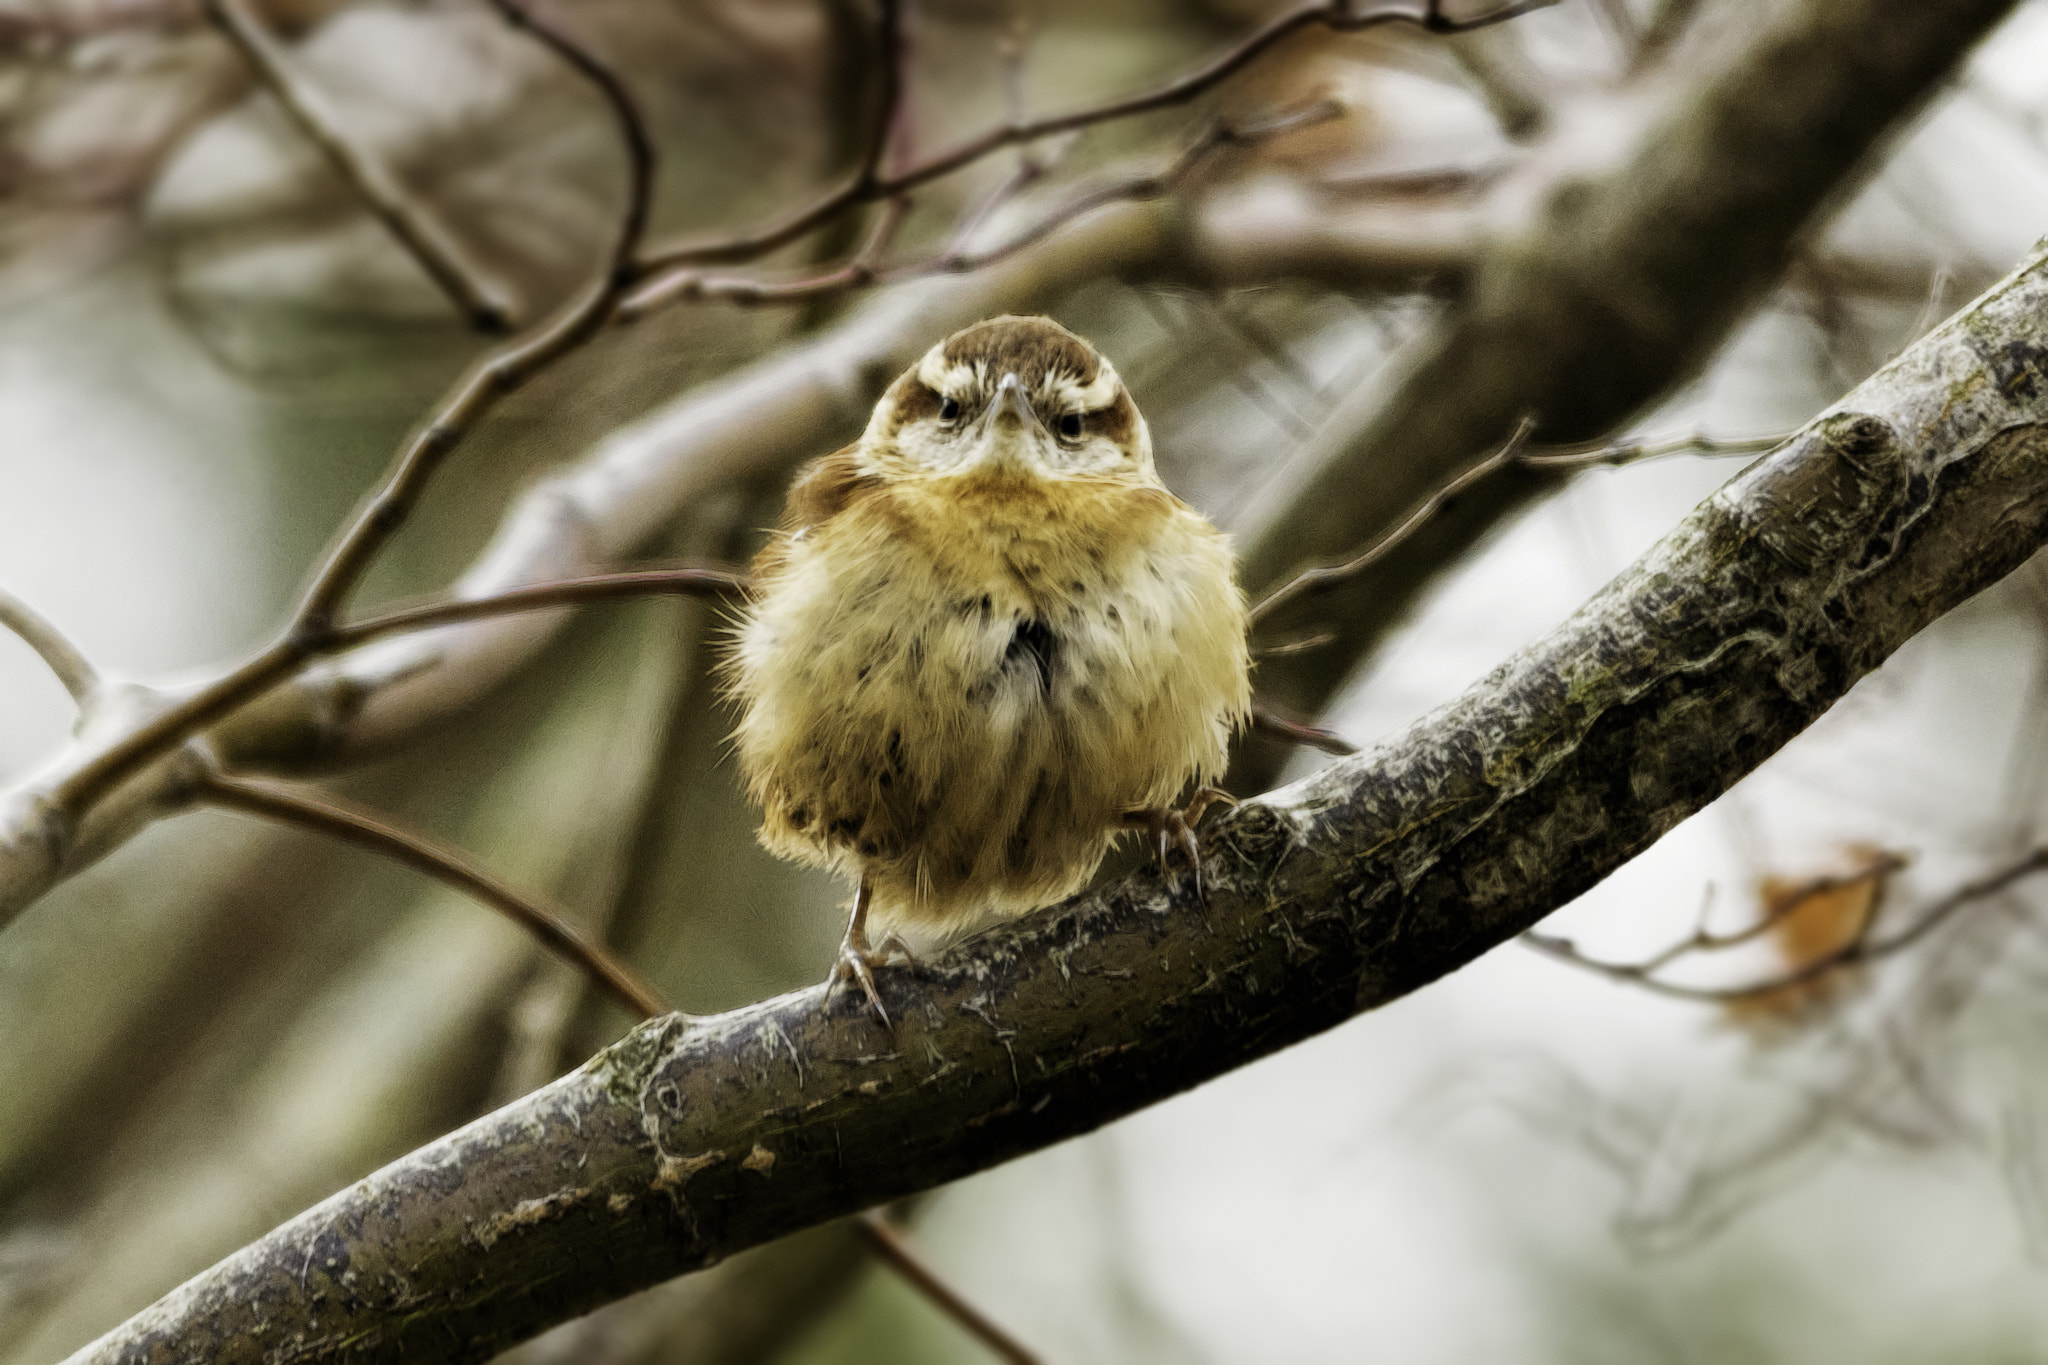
{"x":935,"y":374}
{"x":1102,"y":391}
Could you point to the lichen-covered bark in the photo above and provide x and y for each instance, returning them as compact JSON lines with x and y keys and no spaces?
{"x":692,"y":1139}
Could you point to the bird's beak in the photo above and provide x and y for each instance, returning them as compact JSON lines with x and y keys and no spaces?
{"x":1012,"y":406}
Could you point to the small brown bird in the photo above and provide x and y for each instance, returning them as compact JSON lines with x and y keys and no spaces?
{"x":985,"y":641}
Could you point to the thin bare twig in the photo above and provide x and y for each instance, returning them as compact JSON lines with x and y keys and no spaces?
{"x":1513,"y":453}
{"x":868,"y":185}
{"x":862,"y":271}
{"x":891,"y":1245}
{"x":687,"y":582}
{"x":58,"y":654}
{"x":444,"y":864}
{"x":313,"y":624}
{"x":1323,"y":578}
{"x":486,"y":301}
{"x":1864,"y":946}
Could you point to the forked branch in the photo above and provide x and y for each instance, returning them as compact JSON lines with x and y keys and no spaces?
{"x":865,"y":270}
{"x":870,"y":184}
{"x":312,"y":628}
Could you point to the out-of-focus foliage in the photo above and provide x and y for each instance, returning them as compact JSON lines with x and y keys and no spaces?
{"x":207,"y":353}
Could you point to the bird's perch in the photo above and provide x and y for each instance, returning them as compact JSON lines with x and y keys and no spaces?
{"x":692,"y":1139}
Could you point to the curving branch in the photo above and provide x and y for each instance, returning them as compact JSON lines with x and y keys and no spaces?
{"x":487,"y":383}
{"x":869,"y":183}
{"x":694,"y":1138}
{"x":548,"y":926}
{"x":1513,"y":454}
{"x":865,"y":270}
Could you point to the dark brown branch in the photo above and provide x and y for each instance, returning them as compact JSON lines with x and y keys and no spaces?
{"x":443,"y":864}
{"x":491,"y":381}
{"x":689,"y":582}
{"x":863,"y":270}
{"x":691,"y":1139}
{"x":460,"y":411}
{"x":50,"y":644}
{"x":894,"y":1248}
{"x":485,"y":301}
{"x":867,"y":186}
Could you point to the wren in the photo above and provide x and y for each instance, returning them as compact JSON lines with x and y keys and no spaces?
{"x":985,"y":641}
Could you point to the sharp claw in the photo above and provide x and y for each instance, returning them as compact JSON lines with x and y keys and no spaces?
{"x":856,"y":961}
{"x":853,"y":964}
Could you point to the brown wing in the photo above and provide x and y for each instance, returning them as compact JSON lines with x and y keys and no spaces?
{"x":824,"y":488}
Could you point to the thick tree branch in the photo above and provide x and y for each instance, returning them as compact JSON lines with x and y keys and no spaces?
{"x":691,"y":1139}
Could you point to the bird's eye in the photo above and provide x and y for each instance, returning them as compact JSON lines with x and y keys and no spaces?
{"x":949,"y":408}
{"x":1070,"y":426}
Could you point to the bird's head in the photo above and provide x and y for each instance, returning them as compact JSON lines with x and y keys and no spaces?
{"x":1018,"y":396}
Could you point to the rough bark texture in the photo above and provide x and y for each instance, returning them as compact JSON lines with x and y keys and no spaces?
{"x":694,"y":1138}
{"x":1599,"y":294}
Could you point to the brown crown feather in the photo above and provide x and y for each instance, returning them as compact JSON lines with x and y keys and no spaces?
{"x":1031,"y":348}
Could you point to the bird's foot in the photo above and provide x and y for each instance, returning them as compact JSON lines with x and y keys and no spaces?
{"x":858,"y":963}
{"x":1174,"y":827}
